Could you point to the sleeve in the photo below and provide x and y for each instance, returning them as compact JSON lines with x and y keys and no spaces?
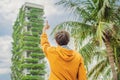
{"x":82,"y":71}
{"x":44,"y":43}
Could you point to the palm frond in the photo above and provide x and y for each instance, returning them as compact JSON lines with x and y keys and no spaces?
{"x":87,"y":51}
{"x":97,"y":69}
{"x":104,"y":10}
{"x":78,"y":30}
{"x":100,"y":53}
{"x":116,"y":33}
{"x":108,"y":73}
{"x":100,"y":34}
{"x":93,"y":12}
{"x":77,"y":7}
{"x":103,"y":29}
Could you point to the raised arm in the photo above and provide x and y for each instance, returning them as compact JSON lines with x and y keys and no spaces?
{"x":44,"y":39}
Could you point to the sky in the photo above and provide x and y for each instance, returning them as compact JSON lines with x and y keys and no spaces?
{"x":9,"y":10}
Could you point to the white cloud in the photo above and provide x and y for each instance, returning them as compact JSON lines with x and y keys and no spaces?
{"x":10,"y":8}
{"x":5,"y":54}
{"x":4,"y":70}
{"x":51,"y":9}
{"x":8,"y":13}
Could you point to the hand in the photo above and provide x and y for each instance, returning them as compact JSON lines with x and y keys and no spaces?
{"x":46,"y":27}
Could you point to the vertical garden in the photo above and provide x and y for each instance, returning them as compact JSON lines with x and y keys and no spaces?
{"x":27,"y":57}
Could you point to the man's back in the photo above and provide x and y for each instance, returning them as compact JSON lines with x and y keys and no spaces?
{"x":65,"y":64}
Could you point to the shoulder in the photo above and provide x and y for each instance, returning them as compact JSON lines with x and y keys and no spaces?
{"x":51,"y":49}
{"x":77,"y":54}
{"x":80,"y":57}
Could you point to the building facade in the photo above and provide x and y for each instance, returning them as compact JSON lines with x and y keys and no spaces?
{"x":27,"y":56}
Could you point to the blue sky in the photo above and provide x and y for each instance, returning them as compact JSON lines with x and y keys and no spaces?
{"x":8,"y":12}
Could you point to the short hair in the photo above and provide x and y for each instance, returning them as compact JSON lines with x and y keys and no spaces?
{"x":62,"y":37}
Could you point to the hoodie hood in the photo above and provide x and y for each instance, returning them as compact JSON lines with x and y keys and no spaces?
{"x":66,"y":54}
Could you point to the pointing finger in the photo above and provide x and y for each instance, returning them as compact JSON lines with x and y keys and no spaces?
{"x":46,"y":21}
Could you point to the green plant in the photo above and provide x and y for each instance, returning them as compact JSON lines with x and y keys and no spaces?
{"x":37,"y":55}
{"x":31,"y":60}
{"x":29,"y":77}
{"x":26,"y":41}
{"x":100,"y":26}
{"x":35,"y":72}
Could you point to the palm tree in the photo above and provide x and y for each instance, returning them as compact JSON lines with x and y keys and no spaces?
{"x":95,"y":60}
{"x":100,"y":23}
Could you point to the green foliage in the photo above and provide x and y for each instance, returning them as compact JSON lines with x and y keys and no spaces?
{"x":26,"y":41}
{"x":31,"y":43}
{"x":35,"y":24}
{"x":31,"y":60}
{"x":36,"y":10}
{"x":37,"y":72}
{"x":102,"y":28}
{"x":36,"y":20}
{"x":35,"y":33}
{"x":100,"y":22}
{"x":34,"y":29}
{"x":30,"y":38}
{"x":28,"y":48}
{"x":77,"y":29}
{"x":34,"y":66}
{"x":29,"y":77}
{"x":99,"y":67}
{"x":33,"y":15}
{"x":37,"y":55}
{"x":27,"y":33}
{"x":21,"y":16}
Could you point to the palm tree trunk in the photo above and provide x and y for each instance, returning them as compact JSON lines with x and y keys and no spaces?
{"x":110,"y":55}
{"x":119,"y":67}
{"x":119,"y":62}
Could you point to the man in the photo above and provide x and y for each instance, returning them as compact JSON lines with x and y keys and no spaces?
{"x":65,"y":63}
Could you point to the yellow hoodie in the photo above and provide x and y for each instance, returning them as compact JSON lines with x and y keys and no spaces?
{"x":65,"y":64}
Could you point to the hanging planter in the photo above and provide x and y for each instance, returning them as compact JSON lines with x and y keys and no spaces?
{"x":30,"y":77}
{"x":34,"y":29}
{"x":37,"y":55}
{"x":37,"y":72}
{"x":30,"y":43}
{"x":33,"y":66}
{"x":36,"y":10}
{"x":31,"y":60}
{"x":30,"y":38}
{"x":32,"y":49}
{"x":36,"y":20}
